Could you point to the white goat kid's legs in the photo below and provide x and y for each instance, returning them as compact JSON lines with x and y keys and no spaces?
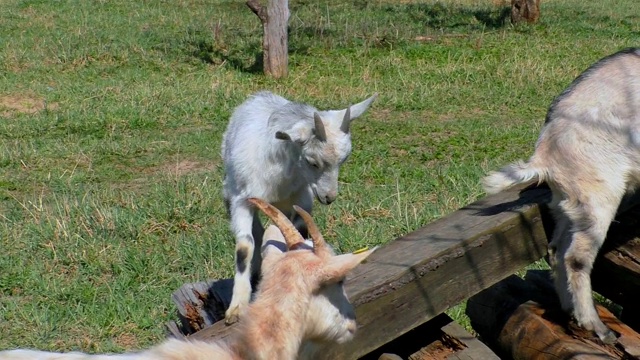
{"x":305,"y":201}
{"x":241,"y":224}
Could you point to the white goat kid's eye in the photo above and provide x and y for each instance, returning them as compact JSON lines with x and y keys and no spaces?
{"x":313,"y":163}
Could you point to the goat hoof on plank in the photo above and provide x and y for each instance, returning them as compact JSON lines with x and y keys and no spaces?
{"x":607,"y":336}
{"x":232,"y":315}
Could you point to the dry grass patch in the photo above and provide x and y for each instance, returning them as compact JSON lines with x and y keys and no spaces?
{"x":11,"y":105}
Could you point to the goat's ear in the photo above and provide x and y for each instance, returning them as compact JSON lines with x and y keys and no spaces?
{"x":339,"y":266}
{"x":355,"y":111}
{"x":296,"y":134}
{"x":283,"y":135}
{"x":320,"y":132}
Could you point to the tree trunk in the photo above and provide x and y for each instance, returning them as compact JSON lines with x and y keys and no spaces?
{"x":275,"y":45}
{"x":525,"y":10}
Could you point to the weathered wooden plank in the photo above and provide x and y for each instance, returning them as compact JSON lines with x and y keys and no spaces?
{"x":418,"y":276}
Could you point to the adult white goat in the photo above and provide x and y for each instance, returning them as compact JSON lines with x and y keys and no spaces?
{"x":283,"y":152}
{"x":300,"y":302}
{"x":589,"y":154}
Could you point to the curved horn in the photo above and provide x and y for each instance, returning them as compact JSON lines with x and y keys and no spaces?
{"x":319,"y":245}
{"x":321,"y":133}
{"x":291,"y":235}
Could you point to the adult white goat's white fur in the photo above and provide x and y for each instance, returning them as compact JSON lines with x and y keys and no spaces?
{"x":285,"y":153}
{"x":589,"y":154}
{"x":300,"y":304}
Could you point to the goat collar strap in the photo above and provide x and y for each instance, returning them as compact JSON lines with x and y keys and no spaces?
{"x":297,"y":246}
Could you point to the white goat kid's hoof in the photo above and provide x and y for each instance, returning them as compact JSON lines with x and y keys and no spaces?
{"x":232,"y":315}
{"x":239,"y":301}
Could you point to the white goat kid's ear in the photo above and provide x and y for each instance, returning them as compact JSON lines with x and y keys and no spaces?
{"x":298,"y":134}
{"x":320,"y":132}
{"x":355,"y":111}
{"x":339,"y":266}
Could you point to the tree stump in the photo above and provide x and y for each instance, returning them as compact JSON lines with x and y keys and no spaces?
{"x":275,"y":44}
{"x":525,"y":10}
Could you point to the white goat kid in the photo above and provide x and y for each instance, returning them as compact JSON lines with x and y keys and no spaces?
{"x":285,"y":153}
{"x":300,"y":304}
{"x":589,"y":154}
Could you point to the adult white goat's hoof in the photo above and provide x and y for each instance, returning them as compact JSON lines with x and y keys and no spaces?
{"x":607,"y":336}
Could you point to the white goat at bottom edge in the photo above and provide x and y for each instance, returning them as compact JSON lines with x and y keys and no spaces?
{"x":588,"y":152}
{"x":283,"y":152}
{"x":300,"y":304}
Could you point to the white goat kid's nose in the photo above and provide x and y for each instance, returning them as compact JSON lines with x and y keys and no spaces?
{"x":330,"y":197}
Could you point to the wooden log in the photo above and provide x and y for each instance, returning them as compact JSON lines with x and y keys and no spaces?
{"x":418,"y":276}
{"x":525,"y":10}
{"x":439,"y":338}
{"x":523,"y":320}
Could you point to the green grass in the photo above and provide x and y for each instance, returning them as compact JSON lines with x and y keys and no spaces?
{"x":111,"y":116}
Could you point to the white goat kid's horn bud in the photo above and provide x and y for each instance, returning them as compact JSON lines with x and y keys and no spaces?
{"x":320,"y":132}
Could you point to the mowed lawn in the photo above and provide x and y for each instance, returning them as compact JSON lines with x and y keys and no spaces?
{"x":112,"y":113}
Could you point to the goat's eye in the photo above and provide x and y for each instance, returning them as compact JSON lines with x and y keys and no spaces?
{"x":313,"y":163}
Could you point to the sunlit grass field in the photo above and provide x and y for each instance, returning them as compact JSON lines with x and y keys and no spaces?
{"x":112,"y":113}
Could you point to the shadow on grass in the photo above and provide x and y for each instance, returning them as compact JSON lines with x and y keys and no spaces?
{"x":440,"y":15}
{"x":385,"y":26}
{"x":206,"y":52}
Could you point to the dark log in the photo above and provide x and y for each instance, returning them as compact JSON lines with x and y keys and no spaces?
{"x":523,"y":320}
{"x":616,"y":273}
{"x":274,"y":18}
{"x":439,"y":338}
{"x":525,"y":10}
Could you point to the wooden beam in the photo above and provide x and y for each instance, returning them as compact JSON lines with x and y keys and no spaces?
{"x":418,"y":276}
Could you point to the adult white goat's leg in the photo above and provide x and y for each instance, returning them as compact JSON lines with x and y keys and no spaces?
{"x":304,"y":199}
{"x":243,"y":218}
{"x":590,"y":218}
